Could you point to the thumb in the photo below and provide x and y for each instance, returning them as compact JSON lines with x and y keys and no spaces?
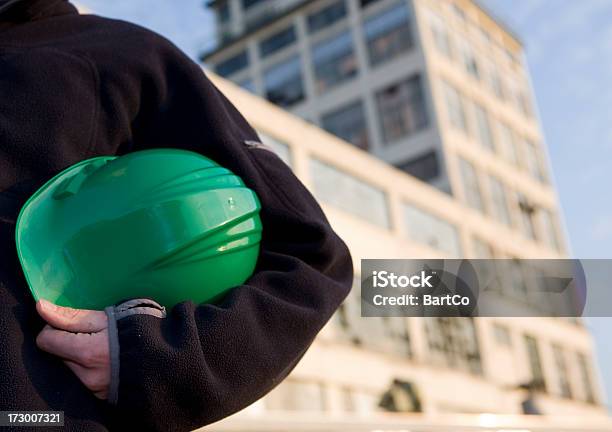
{"x":72,"y":320}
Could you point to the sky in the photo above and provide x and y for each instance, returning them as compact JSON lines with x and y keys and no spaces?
{"x":569,"y":55}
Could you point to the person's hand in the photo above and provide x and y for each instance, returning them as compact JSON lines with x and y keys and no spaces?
{"x":80,"y":338}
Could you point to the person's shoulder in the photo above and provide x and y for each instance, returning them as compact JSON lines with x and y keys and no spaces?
{"x":111,"y":43}
{"x":112,"y":31}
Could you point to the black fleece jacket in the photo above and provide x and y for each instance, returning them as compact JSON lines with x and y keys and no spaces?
{"x":74,"y":87}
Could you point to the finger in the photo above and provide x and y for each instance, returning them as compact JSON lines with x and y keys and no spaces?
{"x":101,"y":394}
{"x":58,"y":342}
{"x":72,"y":320}
{"x":85,"y":349}
{"x":94,"y":379}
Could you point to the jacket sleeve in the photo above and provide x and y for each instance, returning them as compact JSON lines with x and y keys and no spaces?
{"x":204,"y":362}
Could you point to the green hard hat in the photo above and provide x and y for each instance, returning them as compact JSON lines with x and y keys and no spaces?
{"x":170,"y":225}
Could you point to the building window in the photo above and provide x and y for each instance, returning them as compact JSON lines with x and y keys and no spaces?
{"x":502,"y":335}
{"x":348,"y":123}
{"x":388,"y":34}
{"x":348,"y":316}
{"x":514,"y":92}
{"x":246,"y":4}
{"x":469,"y":60}
{"x":512,"y":57}
{"x":277,"y":41}
{"x":423,"y":227}
{"x":499,"y":201}
{"x":233,"y":64}
{"x":281,"y":149}
{"x":565,"y":390}
{"x":334,"y":61}
{"x":326,"y":16}
{"x":535,"y":364}
{"x":485,"y":37}
{"x":398,"y":335}
{"x":453,"y":343}
{"x":534,"y":161}
{"x":549,"y":230}
{"x":471,"y":185}
{"x":401,"y":109}
{"x":455,"y":108}
{"x":585,"y":377}
{"x":498,"y":86}
{"x":524,"y":103}
{"x":342,"y":318}
{"x":366,"y":3}
{"x":460,"y":14}
{"x":517,"y":282}
{"x":283,"y":82}
{"x":294,"y":395}
{"x":510,"y":279}
{"x":440,"y":36}
{"x":349,"y":194}
{"x":508,"y":143}
{"x":425,"y":167}
{"x":485,"y":134}
{"x":526,"y":211}
{"x":519,"y":95}
{"x":495,"y":83}
{"x":385,"y":334}
{"x":224,"y":13}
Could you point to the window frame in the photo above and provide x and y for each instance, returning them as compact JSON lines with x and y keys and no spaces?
{"x":342,"y":110}
{"x":327,"y":9}
{"x":436,"y":225}
{"x":332,"y":57}
{"x":374,"y":30}
{"x":286,"y":62}
{"x":413,"y":102}
{"x":456,"y":108}
{"x":499,"y":200}
{"x":536,"y":367}
{"x":365,"y":188}
{"x":242,"y":55}
{"x":467,"y":168}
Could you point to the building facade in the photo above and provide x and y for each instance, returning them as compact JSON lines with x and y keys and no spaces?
{"x":437,"y":88}
{"x":440,"y":90}
{"x":364,"y":367}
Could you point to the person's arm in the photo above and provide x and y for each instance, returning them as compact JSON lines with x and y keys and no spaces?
{"x":204,"y":362}
{"x":195,"y":364}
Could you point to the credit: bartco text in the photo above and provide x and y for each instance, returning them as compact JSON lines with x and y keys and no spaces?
{"x":425,"y":300}
{"x":419,"y":281}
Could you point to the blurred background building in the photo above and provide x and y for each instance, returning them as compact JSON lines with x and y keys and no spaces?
{"x":438,"y":89}
{"x":360,"y":367}
{"x":437,"y":92}
{"x":384,"y":74}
